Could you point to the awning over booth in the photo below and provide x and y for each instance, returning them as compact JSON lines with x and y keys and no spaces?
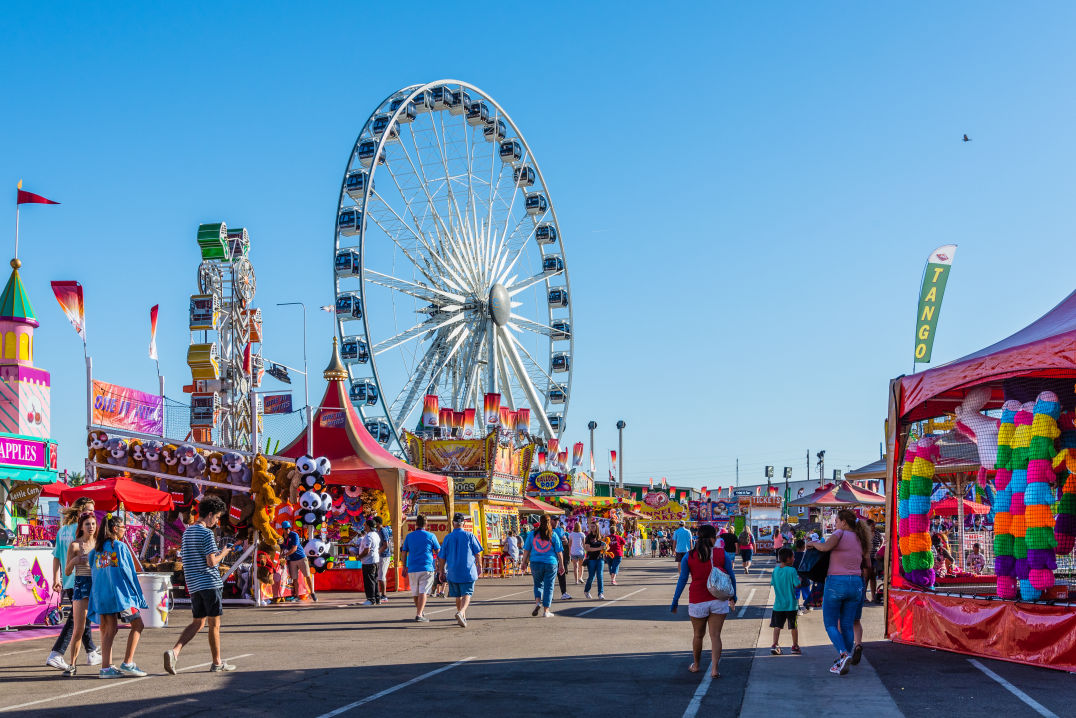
{"x":842,"y":494}
{"x":949,"y":507}
{"x":107,"y":494}
{"x":357,"y":459}
{"x":1043,"y":348}
{"x":534,"y":506}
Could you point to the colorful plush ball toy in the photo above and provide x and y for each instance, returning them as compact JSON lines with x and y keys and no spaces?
{"x":1004,"y":561}
{"x":917,"y":482}
{"x":1065,"y":465}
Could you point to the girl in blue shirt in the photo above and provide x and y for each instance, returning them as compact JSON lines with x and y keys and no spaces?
{"x":544,"y":552}
{"x":115,"y":591}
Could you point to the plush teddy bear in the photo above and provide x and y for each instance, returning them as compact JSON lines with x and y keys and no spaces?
{"x":265,"y":503}
{"x":313,"y":507}
{"x":169,"y":460}
{"x":117,"y":453}
{"x":192,"y":464}
{"x":239,"y":473}
{"x":286,"y":482}
{"x":135,"y":455}
{"x":151,"y":456}
{"x":241,"y":513}
{"x":215,"y":467}
{"x":97,"y":442}
{"x":312,"y":472}
{"x":316,"y":551}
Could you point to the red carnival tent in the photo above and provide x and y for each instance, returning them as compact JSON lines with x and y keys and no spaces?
{"x":949,"y":507}
{"x":842,"y":494}
{"x":357,"y":459}
{"x":107,"y":494}
{"x":535,"y":506}
{"x":1032,"y":633}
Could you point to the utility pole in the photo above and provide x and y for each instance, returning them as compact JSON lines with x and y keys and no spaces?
{"x":821,"y":467}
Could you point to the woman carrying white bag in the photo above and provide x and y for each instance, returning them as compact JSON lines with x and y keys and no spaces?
{"x":711,"y":595}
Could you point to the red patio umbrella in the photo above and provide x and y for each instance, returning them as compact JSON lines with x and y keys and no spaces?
{"x":53,"y":490}
{"x":949,"y":507}
{"x":108,"y":493}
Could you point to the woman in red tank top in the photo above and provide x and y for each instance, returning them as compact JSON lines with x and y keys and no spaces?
{"x":707,"y":613}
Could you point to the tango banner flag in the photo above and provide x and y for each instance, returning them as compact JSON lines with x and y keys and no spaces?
{"x":931,"y":292}
{"x":153,"y":332}
{"x":69,"y":295}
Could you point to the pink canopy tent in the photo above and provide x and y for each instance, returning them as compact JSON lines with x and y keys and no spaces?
{"x":843,"y":494}
{"x":949,"y":507}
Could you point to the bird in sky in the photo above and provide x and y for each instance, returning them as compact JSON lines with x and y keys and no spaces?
{"x":967,"y":139}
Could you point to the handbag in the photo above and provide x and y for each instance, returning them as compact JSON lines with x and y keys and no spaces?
{"x":719,"y":584}
{"x":814,"y":566}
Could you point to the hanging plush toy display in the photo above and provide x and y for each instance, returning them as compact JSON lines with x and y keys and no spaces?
{"x":314,"y":502}
{"x":1065,"y":465}
{"x":1004,"y":561}
{"x":1038,"y":498}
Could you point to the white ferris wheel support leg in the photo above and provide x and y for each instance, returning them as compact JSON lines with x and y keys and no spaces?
{"x":525,"y":381}
{"x":491,"y":384}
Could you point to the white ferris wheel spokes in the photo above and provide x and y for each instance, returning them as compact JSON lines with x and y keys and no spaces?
{"x":450,"y":272}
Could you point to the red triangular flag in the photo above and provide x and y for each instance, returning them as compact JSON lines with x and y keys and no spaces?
{"x":31,"y":198}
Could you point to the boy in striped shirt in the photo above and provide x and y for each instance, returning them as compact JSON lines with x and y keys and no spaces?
{"x":201,"y":557}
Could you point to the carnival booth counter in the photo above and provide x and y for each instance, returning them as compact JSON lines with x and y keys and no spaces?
{"x":1015,"y":401}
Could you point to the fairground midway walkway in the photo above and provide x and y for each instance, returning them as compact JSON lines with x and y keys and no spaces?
{"x":626,"y":656}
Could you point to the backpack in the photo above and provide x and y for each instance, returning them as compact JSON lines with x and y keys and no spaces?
{"x":815,"y":565}
{"x":719,"y":584}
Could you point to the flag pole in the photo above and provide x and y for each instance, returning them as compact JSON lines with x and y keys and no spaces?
{"x":16,"y":230}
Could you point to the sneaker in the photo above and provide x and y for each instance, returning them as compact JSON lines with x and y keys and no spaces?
{"x":461,"y":620}
{"x":421,"y":619}
{"x":170,"y":662}
{"x":587,"y":594}
{"x":223,"y":667}
{"x":71,"y":670}
{"x":537,"y":609}
{"x":775,"y":650}
{"x":384,"y":598}
{"x":857,"y":653}
{"x":132,"y":670}
{"x":801,"y":611}
{"x":93,"y":658}
{"x":842,"y":664}
{"x":313,"y":597}
{"x":601,"y":596}
{"x":367,"y":602}
{"x":548,"y":614}
{"x":565,"y":597}
{"x":614,"y":581}
{"x":835,"y":669}
{"x":56,"y":660}
{"x":796,"y":651}
{"x":109,"y":672}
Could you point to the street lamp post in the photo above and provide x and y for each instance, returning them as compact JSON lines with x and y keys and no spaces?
{"x":592,"y":426}
{"x":620,"y":426}
{"x":306,"y":382}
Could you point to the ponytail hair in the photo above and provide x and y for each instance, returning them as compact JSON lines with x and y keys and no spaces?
{"x":859,"y":527}
{"x":704,"y":547}
{"x":545,"y":532}
{"x":106,"y":530}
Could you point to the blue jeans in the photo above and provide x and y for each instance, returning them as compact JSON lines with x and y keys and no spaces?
{"x":594,"y":568}
{"x":803,"y":592}
{"x":543,"y":575}
{"x":614,"y":565}
{"x":841,"y":599}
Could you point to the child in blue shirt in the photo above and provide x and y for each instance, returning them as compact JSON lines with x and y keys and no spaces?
{"x":114,"y":593}
{"x":785,"y":581}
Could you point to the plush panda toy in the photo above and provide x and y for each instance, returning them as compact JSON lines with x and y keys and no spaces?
{"x":317,"y":551}
{"x":313,"y":507}
{"x":312,"y":472}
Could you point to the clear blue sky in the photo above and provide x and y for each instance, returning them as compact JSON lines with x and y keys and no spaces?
{"x":747,"y":192}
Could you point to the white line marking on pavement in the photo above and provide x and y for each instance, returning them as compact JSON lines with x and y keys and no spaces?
{"x":25,"y":650}
{"x":700,"y":693}
{"x":603,"y":604}
{"x":393,"y":689}
{"x":485,"y":600}
{"x":745,"y":604}
{"x":110,"y":684}
{"x":1035,"y":705}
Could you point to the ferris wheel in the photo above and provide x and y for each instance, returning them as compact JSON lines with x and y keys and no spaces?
{"x":449,"y":266}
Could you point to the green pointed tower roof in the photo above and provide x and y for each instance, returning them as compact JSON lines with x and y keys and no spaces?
{"x":14,"y":302}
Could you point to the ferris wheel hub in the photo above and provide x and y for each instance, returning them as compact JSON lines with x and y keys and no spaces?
{"x":500,"y":304}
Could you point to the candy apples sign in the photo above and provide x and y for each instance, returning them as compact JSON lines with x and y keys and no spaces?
{"x":655,"y":499}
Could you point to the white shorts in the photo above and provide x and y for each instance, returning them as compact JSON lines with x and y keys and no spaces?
{"x":383,"y":567}
{"x":704,"y":609}
{"x":421,"y":582}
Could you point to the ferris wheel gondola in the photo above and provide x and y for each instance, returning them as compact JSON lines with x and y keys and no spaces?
{"x":449,"y":269}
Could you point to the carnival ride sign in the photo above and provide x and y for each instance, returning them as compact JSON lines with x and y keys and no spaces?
{"x":23,"y":453}
{"x":451,"y":455}
{"x":582,"y":485}
{"x":129,"y":409}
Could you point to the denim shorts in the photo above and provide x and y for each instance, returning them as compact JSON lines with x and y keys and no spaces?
{"x":81,"y":590}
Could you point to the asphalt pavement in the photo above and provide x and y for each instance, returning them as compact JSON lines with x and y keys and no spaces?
{"x":627,"y":655}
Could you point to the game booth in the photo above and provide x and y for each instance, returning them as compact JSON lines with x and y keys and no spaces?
{"x":365,"y":481}
{"x":487,"y":455}
{"x":1015,"y":401}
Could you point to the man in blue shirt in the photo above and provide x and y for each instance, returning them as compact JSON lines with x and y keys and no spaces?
{"x":682,"y":537}
{"x":417,"y":554}
{"x":457,"y":561}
